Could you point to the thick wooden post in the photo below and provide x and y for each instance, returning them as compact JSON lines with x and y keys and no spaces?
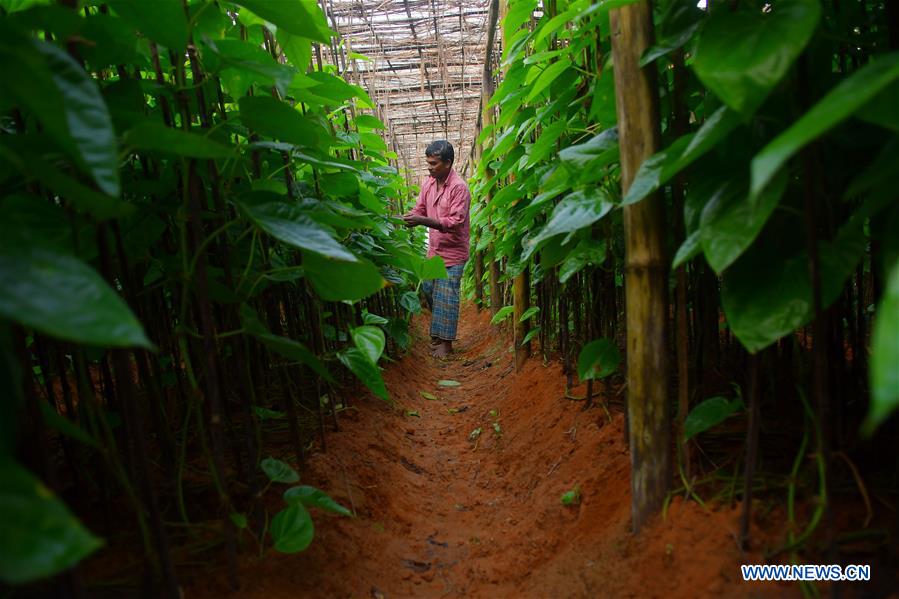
{"x":646,"y":287}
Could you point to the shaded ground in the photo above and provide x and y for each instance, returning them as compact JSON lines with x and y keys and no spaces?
{"x":444,"y":514}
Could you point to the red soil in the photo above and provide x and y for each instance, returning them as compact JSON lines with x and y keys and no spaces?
{"x":441,"y":515}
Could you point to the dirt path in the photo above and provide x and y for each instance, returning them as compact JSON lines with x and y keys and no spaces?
{"x":445,"y":512}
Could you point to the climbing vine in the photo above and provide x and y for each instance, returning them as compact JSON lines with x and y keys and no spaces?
{"x":778,"y":128}
{"x":198,"y":250}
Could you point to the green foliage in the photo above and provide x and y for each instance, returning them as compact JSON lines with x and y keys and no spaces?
{"x":598,"y":359}
{"x":292,"y":529}
{"x":370,"y":340}
{"x":710,"y":413}
{"x":847,"y":97}
{"x":360,"y":364}
{"x":60,"y":295}
{"x":278,"y":471}
{"x":765,"y":124}
{"x":885,"y":356}
{"x":742,"y":75}
{"x":572,"y":496}
{"x":502,"y":314}
{"x":312,"y":497}
{"x":40,"y":536}
{"x":181,"y":167}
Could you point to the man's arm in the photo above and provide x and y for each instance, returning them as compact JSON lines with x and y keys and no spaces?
{"x":418,"y":215}
{"x":414,"y":219}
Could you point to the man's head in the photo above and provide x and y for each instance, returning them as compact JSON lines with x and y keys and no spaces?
{"x":439,"y":155}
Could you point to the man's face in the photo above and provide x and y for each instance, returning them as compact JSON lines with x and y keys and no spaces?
{"x":438,"y":168}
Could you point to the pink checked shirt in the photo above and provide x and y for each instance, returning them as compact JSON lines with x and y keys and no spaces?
{"x":450,"y":207}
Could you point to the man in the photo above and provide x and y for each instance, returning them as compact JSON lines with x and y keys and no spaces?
{"x":443,"y":207}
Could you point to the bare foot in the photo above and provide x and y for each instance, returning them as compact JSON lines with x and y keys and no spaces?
{"x":443,"y":349}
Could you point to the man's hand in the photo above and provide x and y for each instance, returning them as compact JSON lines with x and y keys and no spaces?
{"x":411,"y":220}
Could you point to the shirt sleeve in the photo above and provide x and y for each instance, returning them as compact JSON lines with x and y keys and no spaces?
{"x":459,"y":202}
{"x":421,"y":208}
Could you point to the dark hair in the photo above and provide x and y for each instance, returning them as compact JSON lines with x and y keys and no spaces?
{"x":441,"y":149}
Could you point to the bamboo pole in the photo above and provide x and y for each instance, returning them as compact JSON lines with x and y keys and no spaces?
{"x":487,"y":120}
{"x":636,"y":93}
{"x":521,"y":291}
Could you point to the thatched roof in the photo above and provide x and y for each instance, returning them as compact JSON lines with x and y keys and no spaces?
{"x":422,"y":63}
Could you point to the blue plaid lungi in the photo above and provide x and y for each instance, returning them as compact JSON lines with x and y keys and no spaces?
{"x":443,"y":298}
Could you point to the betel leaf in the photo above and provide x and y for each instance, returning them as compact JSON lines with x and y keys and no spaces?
{"x":398,"y":329}
{"x":264,"y":413}
{"x":312,"y":497}
{"x":367,"y":121}
{"x":839,"y":103}
{"x":288,"y":223}
{"x":40,"y":536}
{"x":519,"y":13}
{"x":689,"y":249}
{"x":12,"y":6}
{"x":90,"y":125}
{"x":431,"y":268}
{"x":546,"y":142}
{"x":529,"y":313}
{"x":681,"y":20}
{"x":331,"y":90}
{"x":884,"y":367}
{"x":588,"y":251}
{"x":731,"y":222}
{"x":294,"y":16}
{"x":241,"y":64}
{"x":659,"y":168}
{"x":549,"y":74}
{"x":335,"y":280}
{"x":370,"y":340}
{"x":156,"y":137}
{"x":99,"y":205}
{"x":709,"y":413}
{"x":881,"y":109}
{"x":595,"y":153}
{"x":743,"y":74}
{"x":297,"y":49}
{"x":365,"y":370}
{"x":765,"y":296}
{"x":598,"y":359}
{"x":373,"y":319}
{"x":294,"y":350}
{"x":577,"y":210}
{"x":29,"y":83}
{"x":273,"y":118}
{"x":530,"y":335}
{"x":292,"y":529}
{"x":278,"y":471}
{"x":409,"y":301}
{"x":239,"y":520}
{"x":502,"y":314}
{"x":61,"y":296}
{"x":162,"y":21}
{"x":553,"y":25}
